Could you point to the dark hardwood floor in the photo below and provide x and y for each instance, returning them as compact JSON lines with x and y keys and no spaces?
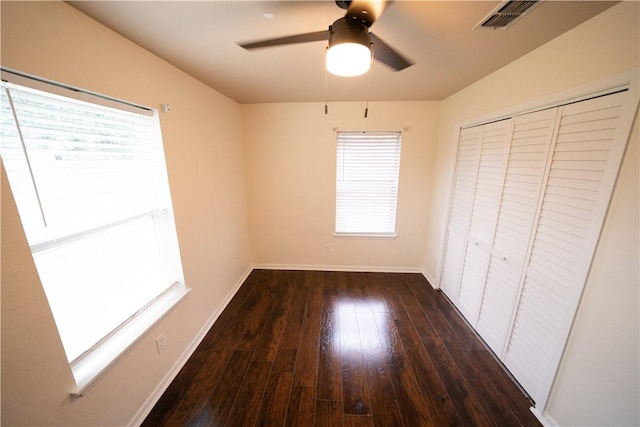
{"x":304,"y":348}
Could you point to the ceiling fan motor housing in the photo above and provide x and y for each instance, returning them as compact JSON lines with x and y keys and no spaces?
{"x":346,"y":30}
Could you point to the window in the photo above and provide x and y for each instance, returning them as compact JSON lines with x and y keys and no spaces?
{"x":91,"y":189}
{"x":367,"y":168}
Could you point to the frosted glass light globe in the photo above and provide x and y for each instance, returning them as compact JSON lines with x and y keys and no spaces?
{"x":348,"y":59}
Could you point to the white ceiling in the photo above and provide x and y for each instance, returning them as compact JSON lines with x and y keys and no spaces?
{"x":200,"y":38}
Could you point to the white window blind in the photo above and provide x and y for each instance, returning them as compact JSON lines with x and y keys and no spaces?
{"x":91,"y":189}
{"x":367,"y":169}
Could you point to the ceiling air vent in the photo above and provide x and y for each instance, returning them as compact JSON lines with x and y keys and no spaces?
{"x":507,"y":13}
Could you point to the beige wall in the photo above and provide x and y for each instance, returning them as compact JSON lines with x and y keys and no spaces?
{"x":290,"y":152}
{"x":597,"y":382}
{"x":203,"y":147}
{"x":289,"y":182}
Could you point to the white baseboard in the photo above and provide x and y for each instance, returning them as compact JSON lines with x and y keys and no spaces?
{"x":363,"y":269}
{"x":148,"y":405}
{"x":544,"y":418}
{"x":429,"y":278}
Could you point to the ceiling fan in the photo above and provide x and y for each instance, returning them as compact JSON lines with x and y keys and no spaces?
{"x":351,"y":45}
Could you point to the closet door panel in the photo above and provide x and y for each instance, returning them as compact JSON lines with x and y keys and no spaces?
{"x":462,"y":199}
{"x":486,"y":200}
{"x":585,"y":160}
{"x":532,"y":135}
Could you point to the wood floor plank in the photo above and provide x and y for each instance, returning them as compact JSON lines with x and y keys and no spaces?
{"x":214,"y":352}
{"x":214,"y":404}
{"x":301,"y":410}
{"x":507,"y":395}
{"x":357,"y":421}
{"x":273,"y":409}
{"x":254,"y":323}
{"x":384,"y":401}
{"x":303,"y":348}
{"x":249,"y":397}
{"x":178,"y":392}
{"x":268,"y":344}
{"x":286,"y":354}
{"x":355,"y":395}
{"x":214,"y":347}
{"x":437,"y":400}
{"x":469,"y":411}
{"x":384,"y":405}
{"x":306,"y":367}
{"x":410,"y":399}
{"x":475,"y":361}
{"x":328,"y":413}
{"x":223,"y":394}
{"x":329,"y":385}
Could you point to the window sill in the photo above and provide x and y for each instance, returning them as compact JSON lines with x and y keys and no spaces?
{"x":389,"y":236}
{"x":91,"y":367}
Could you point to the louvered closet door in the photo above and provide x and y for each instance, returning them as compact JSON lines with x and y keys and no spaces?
{"x":462,"y":198}
{"x":486,"y":200}
{"x":532,"y":135}
{"x":585,"y":161}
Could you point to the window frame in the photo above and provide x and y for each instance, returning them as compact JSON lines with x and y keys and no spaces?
{"x":340,"y":145}
{"x":102,"y":356}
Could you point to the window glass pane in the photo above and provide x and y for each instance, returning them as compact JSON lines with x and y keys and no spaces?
{"x":92,"y":192}
{"x":92,"y":165}
{"x":367,"y":169}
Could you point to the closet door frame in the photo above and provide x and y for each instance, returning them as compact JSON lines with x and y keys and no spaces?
{"x":628,"y":81}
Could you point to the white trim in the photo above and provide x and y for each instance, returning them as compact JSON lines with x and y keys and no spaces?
{"x":429,"y":278}
{"x":162,"y":386}
{"x":361,"y":269}
{"x":544,"y":418}
{"x":623,"y":80}
{"x":343,"y":235}
{"x":93,"y":366}
{"x":444,"y":230}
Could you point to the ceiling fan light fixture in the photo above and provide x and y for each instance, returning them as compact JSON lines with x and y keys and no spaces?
{"x":349,"y":53}
{"x":348,"y":59}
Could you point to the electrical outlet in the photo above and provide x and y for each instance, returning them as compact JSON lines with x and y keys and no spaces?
{"x":161,"y":342}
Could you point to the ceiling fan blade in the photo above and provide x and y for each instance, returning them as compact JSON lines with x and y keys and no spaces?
{"x":298,"y":38}
{"x":366,"y":11}
{"x":387,"y":55}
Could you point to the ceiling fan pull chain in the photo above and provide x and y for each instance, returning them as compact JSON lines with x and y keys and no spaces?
{"x":366,"y":108}
{"x":326,"y":107}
